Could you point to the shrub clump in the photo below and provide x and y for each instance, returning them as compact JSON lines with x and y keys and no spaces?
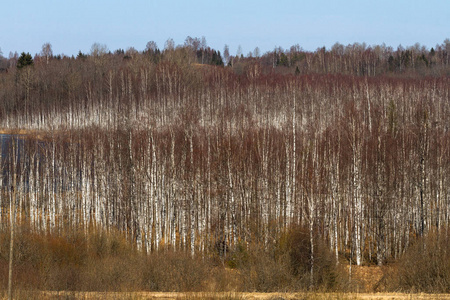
{"x":285,"y":264}
{"x":425,"y":267}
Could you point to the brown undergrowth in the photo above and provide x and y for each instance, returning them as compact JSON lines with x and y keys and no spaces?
{"x":100,"y":261}
{"x":107,"y":261}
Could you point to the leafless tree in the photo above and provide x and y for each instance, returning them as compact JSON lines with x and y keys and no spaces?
{"x":47,"y":51}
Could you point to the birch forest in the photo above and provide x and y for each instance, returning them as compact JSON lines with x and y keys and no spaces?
{"x":187,"y":150}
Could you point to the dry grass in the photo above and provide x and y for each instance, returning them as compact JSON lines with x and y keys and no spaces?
{"x":32,"y":134}
{"x":226,"y":295}
{"x":103,"y":265}
{"x":25,"y":132}
{"x":367,"y":278}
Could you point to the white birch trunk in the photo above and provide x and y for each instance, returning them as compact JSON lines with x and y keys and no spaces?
{"x":232,"y":204}
{"x":294,"y":155}
{"x":358,"y":208}
{"x":52,"y":188}
{"x":153,"y":200}
{"x":31,"y":186}
{"x":288,"y":185}
{"x":192,"y":195}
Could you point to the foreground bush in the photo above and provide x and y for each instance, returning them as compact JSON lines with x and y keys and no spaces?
{"x":425,"y":267}
{"x":106,"y":261}
{"x":285,"y":265}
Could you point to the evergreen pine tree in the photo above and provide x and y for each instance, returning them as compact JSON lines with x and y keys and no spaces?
{"x":25,"y":59}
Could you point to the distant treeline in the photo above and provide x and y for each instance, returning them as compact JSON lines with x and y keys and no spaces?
{"x":353,"y":59}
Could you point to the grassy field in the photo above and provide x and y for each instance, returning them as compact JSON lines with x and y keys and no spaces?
{"x":229,"y":295}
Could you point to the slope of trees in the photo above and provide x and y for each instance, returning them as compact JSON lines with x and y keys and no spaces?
{"x":362,"y":60}
{"x":205,"y":159}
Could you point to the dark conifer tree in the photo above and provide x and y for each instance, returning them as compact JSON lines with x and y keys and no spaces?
{"x":25,"y":59}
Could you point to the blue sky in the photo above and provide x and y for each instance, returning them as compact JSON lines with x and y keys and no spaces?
{"x":71,"y":26}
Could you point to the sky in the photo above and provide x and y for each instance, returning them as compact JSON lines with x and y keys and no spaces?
{"x":71,"y":26}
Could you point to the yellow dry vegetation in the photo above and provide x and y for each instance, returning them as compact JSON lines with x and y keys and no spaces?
{"x":226,"y":295}
{"x":369,"y":278}
{"x":26,"y":133}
